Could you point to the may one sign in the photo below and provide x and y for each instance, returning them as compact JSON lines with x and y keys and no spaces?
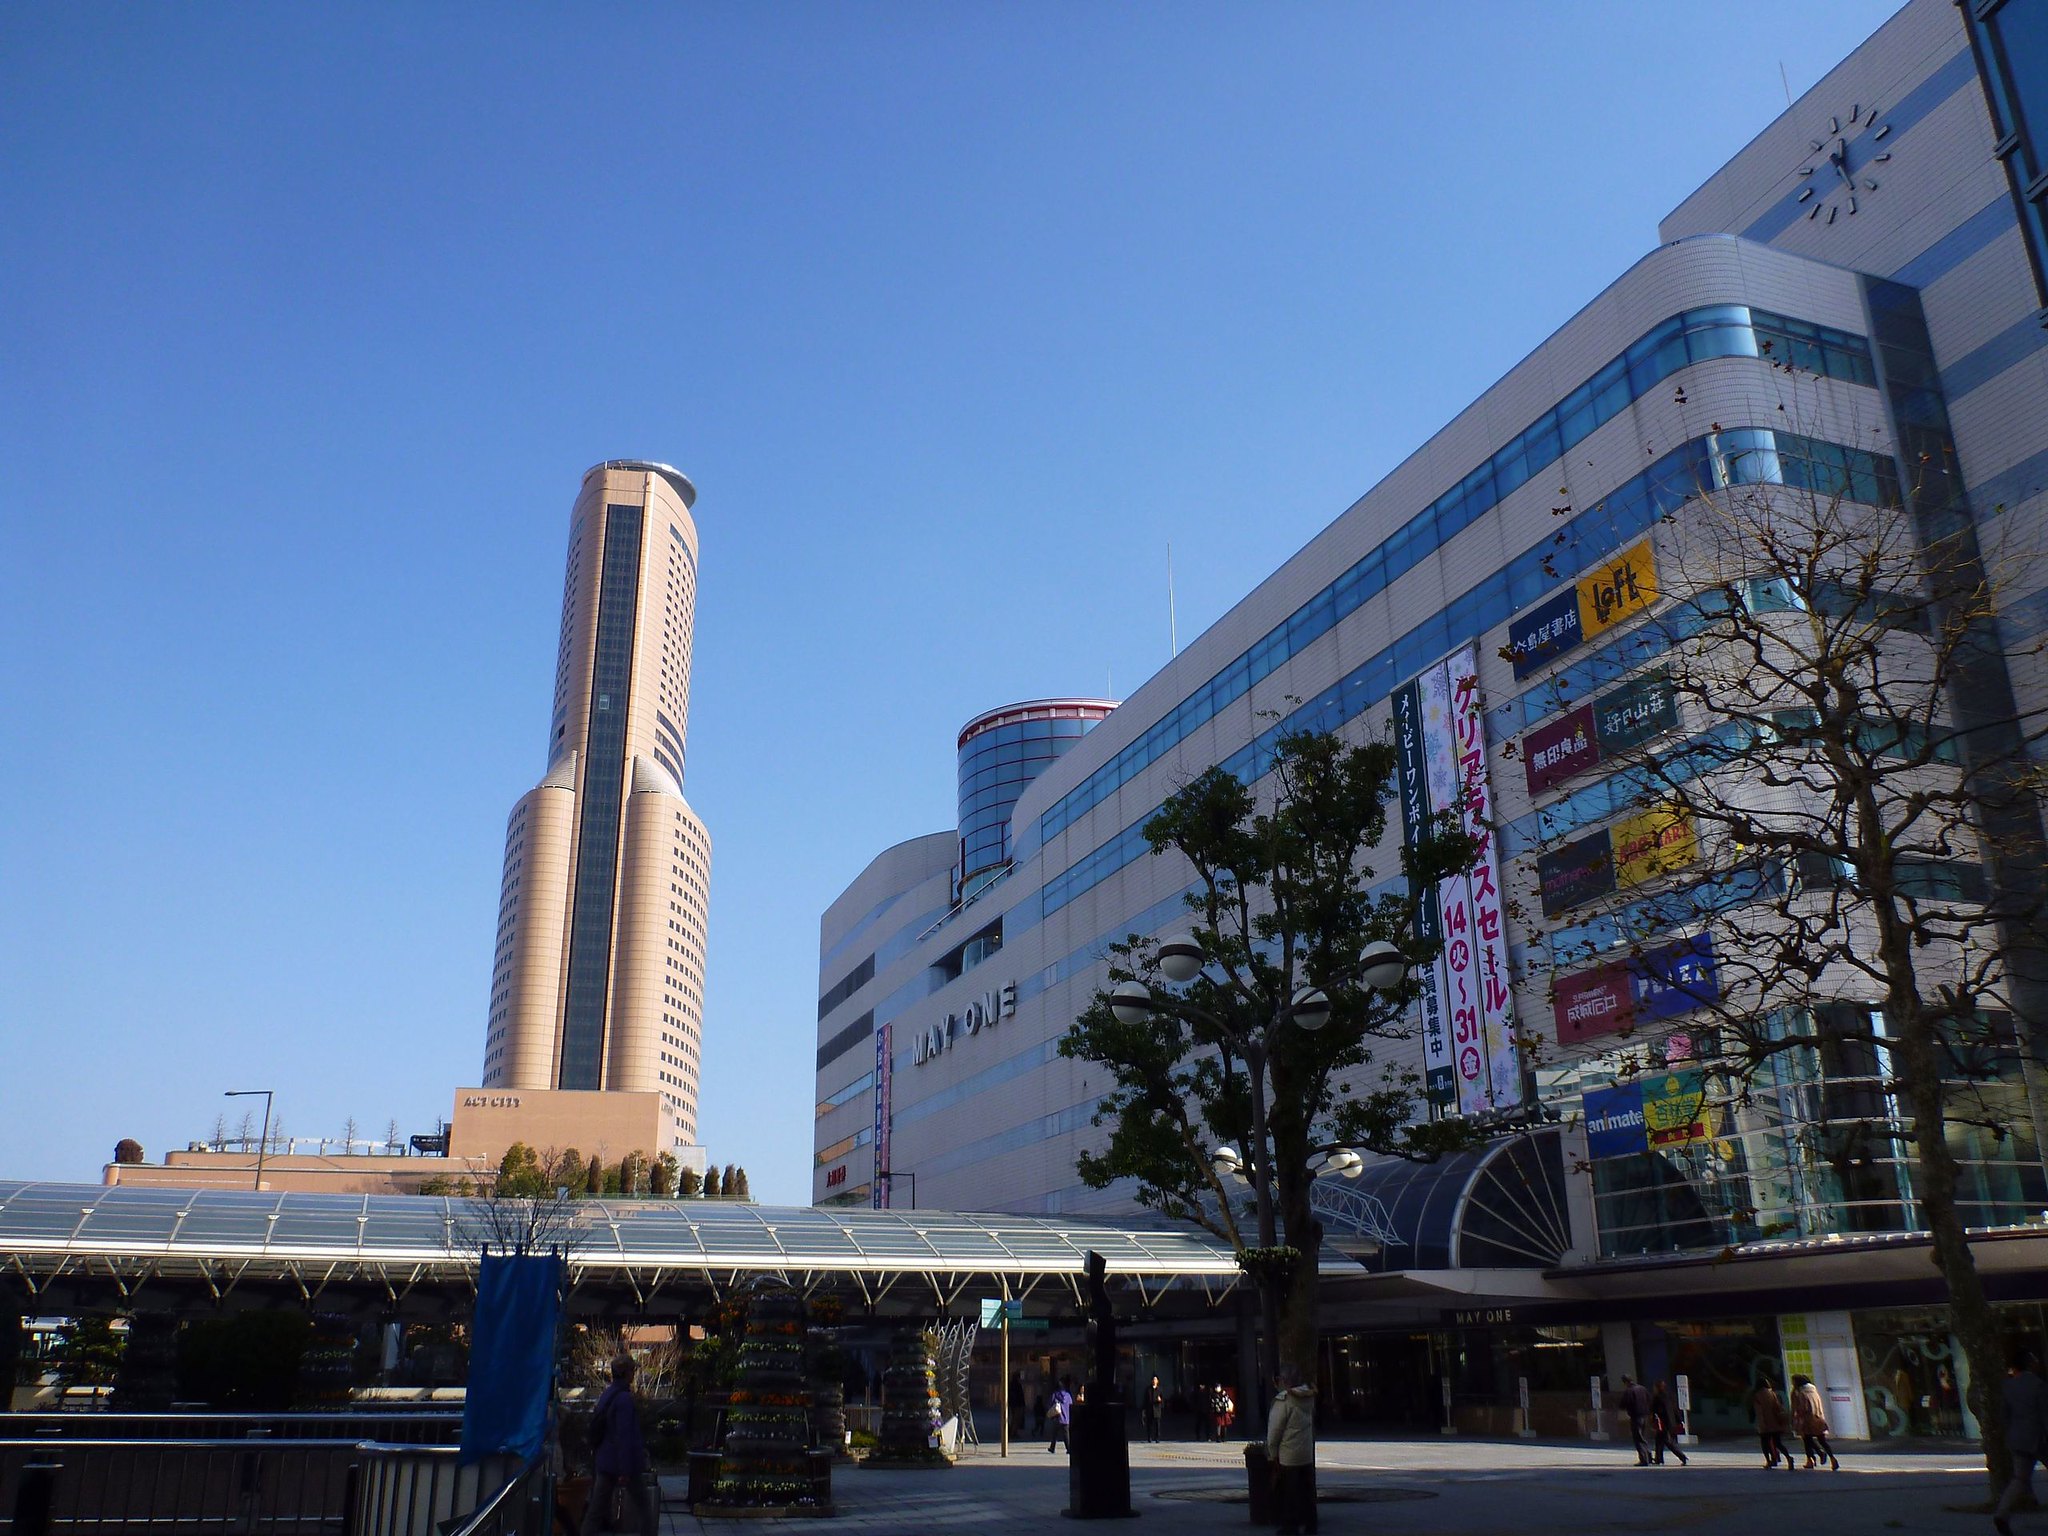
{"x":983,"y":1012}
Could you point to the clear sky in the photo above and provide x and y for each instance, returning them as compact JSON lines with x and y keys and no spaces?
{"x":311,"y":318}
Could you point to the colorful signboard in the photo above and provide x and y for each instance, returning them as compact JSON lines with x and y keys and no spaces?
{"x":1577,"y":873}
{"x":878,"y":1197}
{"x":1620,"y":587}
{"x":1600,"y":1001}
{"x":1634,"y":713}
{"x":1675,"y":1109}
{"x":1441,"y":743}
{"x":1505,"y":1077}
{"x":1614,"y":1121}
{"x":1440,"y":1081}
{"x":1675,"y":978}
{"x":1547,"y":630}
{"x":1653,"y":844}
{"x":1560,"y":749}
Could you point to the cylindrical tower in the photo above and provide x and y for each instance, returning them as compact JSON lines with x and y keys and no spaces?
{"x":598,"y":977}
{"x":1000,"y":752}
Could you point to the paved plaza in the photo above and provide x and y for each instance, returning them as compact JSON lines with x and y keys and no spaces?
{"x":1447,"y":1487}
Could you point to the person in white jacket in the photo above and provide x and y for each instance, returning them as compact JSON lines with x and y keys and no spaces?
{"x":1291,"y":1447}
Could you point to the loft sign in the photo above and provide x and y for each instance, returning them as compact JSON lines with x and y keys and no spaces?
{"x":983,"y":1012}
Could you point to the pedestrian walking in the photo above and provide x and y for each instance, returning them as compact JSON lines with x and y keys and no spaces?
{"x":1667,"y":1426}
{"x":1291,"y":1448}
{"x":1810,"y":1423}
{"x":1226,"y":1413}
{"x":1062,"y":1413}
{"x":2025,"y":1400}
{"x":1152,"y":1410}
{"x":1203,"y":1402}
{"x":1771,"y":1423}
{"x":621,"y":1457}
{"x":1635,"y":1402}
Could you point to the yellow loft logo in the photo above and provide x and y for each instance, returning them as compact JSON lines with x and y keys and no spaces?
{"x":1624,"y":585}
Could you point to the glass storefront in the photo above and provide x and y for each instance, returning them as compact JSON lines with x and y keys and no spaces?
{"x":1724,"y":1361}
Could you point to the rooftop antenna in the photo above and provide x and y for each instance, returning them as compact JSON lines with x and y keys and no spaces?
{"x":1786,"y":81}
{"x":1172,"y":622}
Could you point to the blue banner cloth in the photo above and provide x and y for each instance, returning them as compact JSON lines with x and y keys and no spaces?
{"x":512,"y":1355}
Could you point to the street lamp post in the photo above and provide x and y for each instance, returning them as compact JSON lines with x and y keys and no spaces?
{"x":887,"y":1177}
{"x":262,"y":1142}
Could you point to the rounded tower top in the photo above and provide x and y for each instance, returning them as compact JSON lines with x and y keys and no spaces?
{"x":675,"y":477}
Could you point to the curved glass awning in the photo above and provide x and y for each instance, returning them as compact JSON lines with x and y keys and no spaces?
{"x":1498,"y":1206}
{"x":50,"y":1231}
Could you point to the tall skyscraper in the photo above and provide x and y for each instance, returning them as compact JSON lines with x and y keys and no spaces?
{"x":598,"y":979}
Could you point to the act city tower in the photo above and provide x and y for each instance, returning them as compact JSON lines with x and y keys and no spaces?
{"x":598,"y":975}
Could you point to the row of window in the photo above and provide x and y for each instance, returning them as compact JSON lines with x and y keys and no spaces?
{"x":1725,"y":330}
{"x":1618,"y":519}
{"x":847,"y":985}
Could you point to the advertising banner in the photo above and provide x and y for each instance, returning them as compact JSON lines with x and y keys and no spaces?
{"x":1578,"y":872}
{"x":1675,"y":978}
{"x":1623,"y":586}
{"x":1547,"y":630}
{"x":1597,"y":1002}
{"x":1454,"y":901}
{"x":1675,"y":1109}
{"x":1654,"y":843}
{"x":1505,"y":1077}
{"x":1439,"y":1074}
{"x":1557,"y":751}
{"x":878,"y":1197}
{"x":1634,"y":713}
{"x":1614,"y":1121}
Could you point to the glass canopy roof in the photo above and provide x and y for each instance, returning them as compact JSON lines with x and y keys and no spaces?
{"x":42,"y":1222}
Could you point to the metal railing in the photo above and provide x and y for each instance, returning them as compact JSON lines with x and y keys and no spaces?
{"x":419,"y":1490}
{"x":407,"y":1425}
{"x":525,"y":1506}
{"x":280,"y":1488}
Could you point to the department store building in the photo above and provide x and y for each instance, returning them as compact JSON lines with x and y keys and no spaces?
{"x":1876,"y":254}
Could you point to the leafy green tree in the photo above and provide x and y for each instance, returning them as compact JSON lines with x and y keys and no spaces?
{"x":689,"y":1184}
{"x":1282,"y":901}
{"x":572,"y":1175}
{"x":711,"y":1184}
{"x":88,"y":1352}
{"x":729,"y":1183}
{"x":594,"y":1176}
{"x":736,"y":1187}
{"x":520,"y":1174}
{"x":662,"y":1180}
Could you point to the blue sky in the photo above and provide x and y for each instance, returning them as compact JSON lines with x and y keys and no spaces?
{"x":312,"y":317}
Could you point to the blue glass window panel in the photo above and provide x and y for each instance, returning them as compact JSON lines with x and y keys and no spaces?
{"x":1657,"y":353}
{"x":1542,"y":442}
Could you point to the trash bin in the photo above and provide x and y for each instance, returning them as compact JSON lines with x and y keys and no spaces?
{"x":1258,"y":1476}
{"x":704,"y":1467}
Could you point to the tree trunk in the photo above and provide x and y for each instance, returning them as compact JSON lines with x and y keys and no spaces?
{"x":1970,"y":1313}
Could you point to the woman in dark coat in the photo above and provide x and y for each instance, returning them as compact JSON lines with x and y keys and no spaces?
{"x":1771,"y":1423}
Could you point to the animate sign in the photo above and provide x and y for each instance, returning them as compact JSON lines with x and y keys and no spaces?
{"x":836,"y":1177}
{"x":1581,"y":738}
{"x":984,"y":1012}
{"x":1661,"y":983}
{"x":1618,"y":588}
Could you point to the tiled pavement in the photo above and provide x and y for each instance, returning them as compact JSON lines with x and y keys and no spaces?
{"x":1409,"y":1487}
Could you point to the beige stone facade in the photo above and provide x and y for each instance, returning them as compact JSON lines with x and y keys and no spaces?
{"x":597,"y":984}
{"x":355,"y":1174}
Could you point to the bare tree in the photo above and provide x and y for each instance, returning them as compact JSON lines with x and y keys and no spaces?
{"x":349,"y":1132}
{"x":220,"y":1133}
{"x":526,"y":1209}
{"x":391,"y":1135}
{"x":1830,"y":849}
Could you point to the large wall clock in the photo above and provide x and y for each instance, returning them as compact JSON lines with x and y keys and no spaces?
{"x":1841,"y":169}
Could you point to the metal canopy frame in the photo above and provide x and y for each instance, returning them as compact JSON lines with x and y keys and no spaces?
{"x":129,"y":1237}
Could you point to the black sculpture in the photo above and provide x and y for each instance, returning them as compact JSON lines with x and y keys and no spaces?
{"x":1099,"y":1469}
